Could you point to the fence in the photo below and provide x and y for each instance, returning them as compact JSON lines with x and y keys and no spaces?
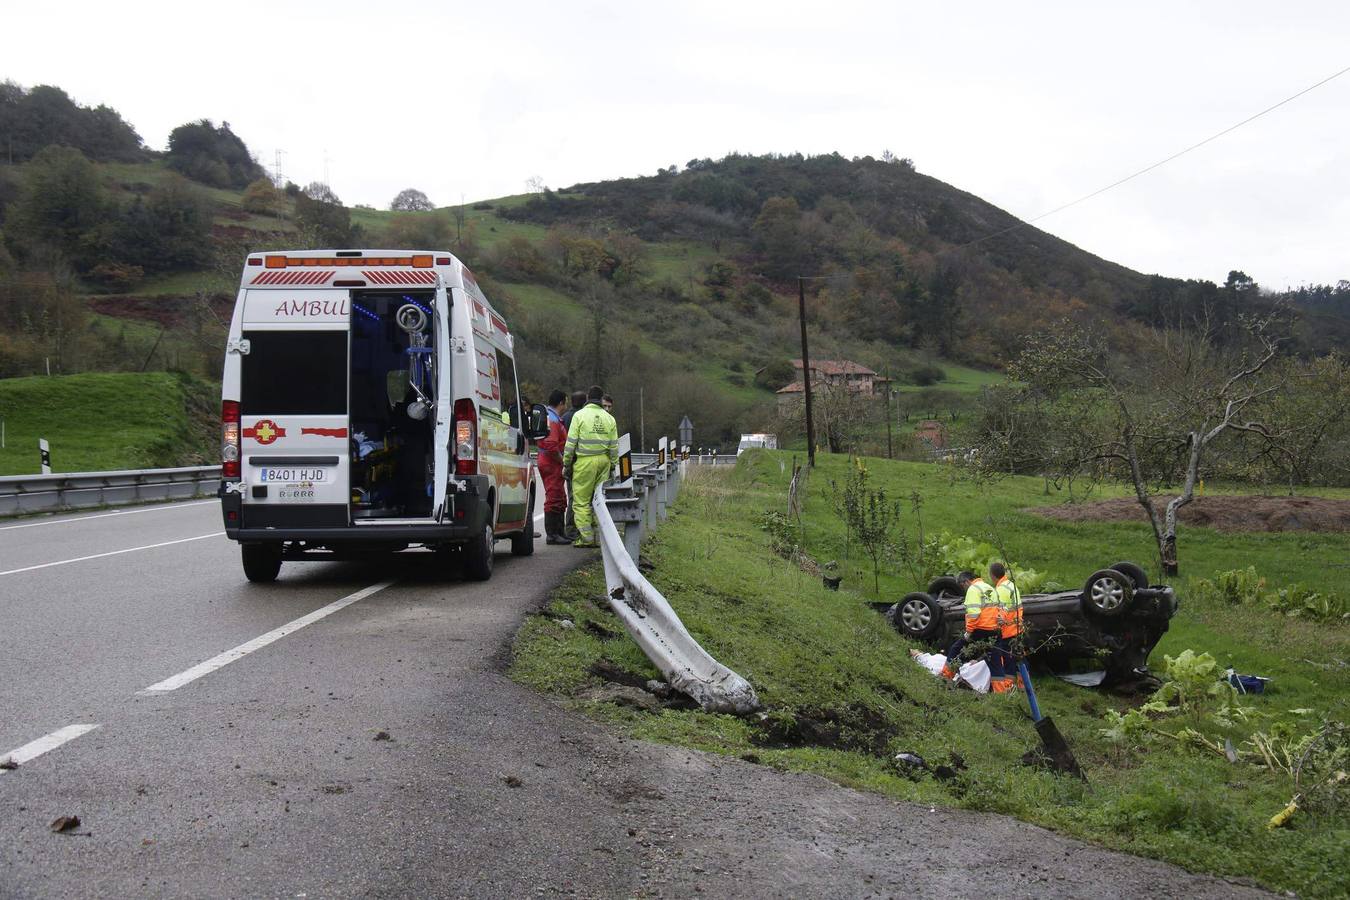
{"x":84,"y":490}
{"x":640,"y":503}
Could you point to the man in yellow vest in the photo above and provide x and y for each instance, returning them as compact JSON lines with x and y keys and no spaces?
{"x":1010,"y":626}
{"x":591,"y":453}
{"x":981,"y":622}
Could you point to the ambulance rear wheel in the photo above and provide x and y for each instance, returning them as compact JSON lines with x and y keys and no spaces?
{"x":478,"y":555}
{"x":262,"y":562}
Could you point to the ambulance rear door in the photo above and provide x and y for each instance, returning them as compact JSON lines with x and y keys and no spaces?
{"x":294,"y":407}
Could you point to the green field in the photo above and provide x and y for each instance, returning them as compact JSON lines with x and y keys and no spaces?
{"x":841,"y":695}
{"x":105,"y":421}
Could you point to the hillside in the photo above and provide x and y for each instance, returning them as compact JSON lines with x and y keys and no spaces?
{"x":682,"y":284}
{"x":103,"y":421}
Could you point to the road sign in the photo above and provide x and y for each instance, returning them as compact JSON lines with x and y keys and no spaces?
{"x":686,"y":432}
{"x":625,"y":466}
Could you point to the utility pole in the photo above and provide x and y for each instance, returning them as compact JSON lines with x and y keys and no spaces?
{"x":806,"y":375}
{"x":889,"y":393}
{"x":642,"y":422}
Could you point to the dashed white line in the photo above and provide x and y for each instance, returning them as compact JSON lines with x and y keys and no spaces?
{"x":174,"y":682}
{"x":34,"y":749}
{"x":126,"y":512}
{"x":64,"y":562}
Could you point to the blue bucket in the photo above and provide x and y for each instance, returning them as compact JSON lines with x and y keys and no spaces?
{"x":1248,"y":684}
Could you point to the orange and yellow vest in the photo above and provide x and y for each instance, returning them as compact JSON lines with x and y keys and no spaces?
{"x":1010,"y":607}
{"x":981,"y":607}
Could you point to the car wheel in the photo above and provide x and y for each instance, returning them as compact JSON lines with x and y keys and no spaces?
{"x":478,"y":555}
{"x":917,"y":615}
{"x":1107,"y":593}
{"x":262,"y":562}
{"x":523,"y":544}
{"x":1134,"y":572}
{"x":945,"y":586}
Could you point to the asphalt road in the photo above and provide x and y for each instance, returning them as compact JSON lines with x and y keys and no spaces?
{"x":379,"y":751}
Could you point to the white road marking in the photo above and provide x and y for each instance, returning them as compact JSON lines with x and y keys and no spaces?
{"x":174,"y":682}
{"x":63,"y":562}
{"x":127,"y":512}
{"x":34,"y":749}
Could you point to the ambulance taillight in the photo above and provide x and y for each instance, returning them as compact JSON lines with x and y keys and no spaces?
{"x":466,"y":438}
{"x":229,"y":438}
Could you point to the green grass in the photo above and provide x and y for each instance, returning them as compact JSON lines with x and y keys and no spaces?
{"x":812,"y":653}
{"x":104,"y":421}
{"x":960,"y":379}
{"x":185,"y":284}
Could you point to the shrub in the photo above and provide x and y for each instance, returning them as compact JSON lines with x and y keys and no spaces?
{"x":1244,"y":587}
{"x":924,"y":376}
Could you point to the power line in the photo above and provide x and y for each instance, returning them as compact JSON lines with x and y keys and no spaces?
{"x":1161,"y":162}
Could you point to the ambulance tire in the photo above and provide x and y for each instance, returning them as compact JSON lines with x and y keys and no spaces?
{"x":478,"y":555}
{"x":262,"y":562}
{"x":523,"y":544}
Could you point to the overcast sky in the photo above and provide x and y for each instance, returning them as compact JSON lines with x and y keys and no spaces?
{"x":1029,"y":105}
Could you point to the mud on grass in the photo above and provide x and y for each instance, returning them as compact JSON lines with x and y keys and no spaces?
{"x":1227,"y":513}
{"x":841,"y":696}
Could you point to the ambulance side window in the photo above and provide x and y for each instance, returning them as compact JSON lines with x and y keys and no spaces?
{"x":506,"y":375}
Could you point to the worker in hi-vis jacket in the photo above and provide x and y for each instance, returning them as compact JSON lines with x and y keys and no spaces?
{"x":592,"y":451}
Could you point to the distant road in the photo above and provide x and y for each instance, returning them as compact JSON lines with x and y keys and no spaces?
{"x":348,"y":731}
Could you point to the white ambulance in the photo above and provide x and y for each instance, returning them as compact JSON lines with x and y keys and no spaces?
{"x":370,"y":403}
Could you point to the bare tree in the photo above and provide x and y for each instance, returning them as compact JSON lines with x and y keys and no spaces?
{"x":1153,"y":414}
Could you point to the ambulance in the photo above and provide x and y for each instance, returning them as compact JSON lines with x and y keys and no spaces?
{"x":370,"y":404}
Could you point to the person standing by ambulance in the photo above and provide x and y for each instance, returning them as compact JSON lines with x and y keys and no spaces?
{"x":592,"y":450}
{"x":551,"y":470}
{"x":1010,"y":626}
{"x":569,"y":520}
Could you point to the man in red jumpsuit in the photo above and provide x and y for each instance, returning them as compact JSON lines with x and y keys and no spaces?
{"x":551,"y":470}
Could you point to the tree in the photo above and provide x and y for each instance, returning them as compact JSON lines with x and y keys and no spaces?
{"x":212,"y":155}
{"x":320,"y":191}
{"x":411,"y":200}
{"x":420,"y":231}
{"x":323,"y":220}
{"x":1153,"y":414}
{"x":262,"y":197}
{"x":60,"y":207}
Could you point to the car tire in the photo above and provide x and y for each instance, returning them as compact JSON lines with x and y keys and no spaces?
{"x":1134,"y":572}
{"x":262,"y":562}
{"x":1107,"y":593}
{"x":917,"y":615}
{"x":945,"y":585}
{"x":523,"y":544}
{"x":478,"y":555}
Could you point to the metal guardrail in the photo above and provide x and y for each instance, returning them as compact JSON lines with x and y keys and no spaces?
{"x":85,"y":490}
{"x":640,"y":504}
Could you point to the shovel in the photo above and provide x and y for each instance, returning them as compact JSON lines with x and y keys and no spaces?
{"x":1061,"y":757}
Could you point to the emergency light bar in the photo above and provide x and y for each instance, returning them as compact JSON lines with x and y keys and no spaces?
{"x":282,"y":262}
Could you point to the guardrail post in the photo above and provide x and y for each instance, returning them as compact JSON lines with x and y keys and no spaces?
{"x":649,"y":499}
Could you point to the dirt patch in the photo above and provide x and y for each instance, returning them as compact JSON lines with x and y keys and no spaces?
{"x":856,"y":727}
{"x":169,"y":312}
{"x":1229,"y":513}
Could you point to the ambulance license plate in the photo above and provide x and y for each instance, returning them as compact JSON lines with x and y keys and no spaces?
{"x":295,"y":476}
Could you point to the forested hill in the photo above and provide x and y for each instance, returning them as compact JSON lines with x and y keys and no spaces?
{"x":677,"y":290}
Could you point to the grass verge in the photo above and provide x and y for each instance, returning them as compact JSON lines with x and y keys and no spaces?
{"x":104,"y":421}
{"x":842,"y":697}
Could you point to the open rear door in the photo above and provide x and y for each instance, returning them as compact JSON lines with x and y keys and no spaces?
{"x":444,"y":404}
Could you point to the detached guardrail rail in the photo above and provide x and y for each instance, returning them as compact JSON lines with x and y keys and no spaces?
{"x":640,"y":503}
{"x":84,"y":490}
